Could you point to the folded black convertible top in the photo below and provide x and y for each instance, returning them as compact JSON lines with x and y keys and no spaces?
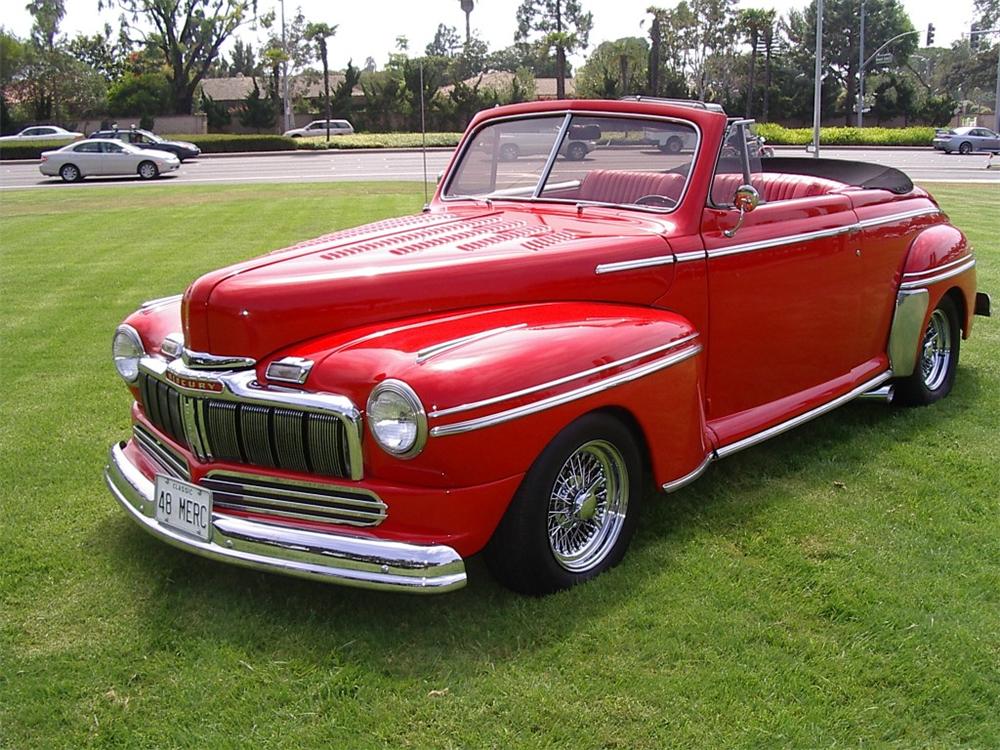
{"x":858,"y":173}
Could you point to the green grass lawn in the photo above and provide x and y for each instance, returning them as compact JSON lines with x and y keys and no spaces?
{"x":838,"y":586}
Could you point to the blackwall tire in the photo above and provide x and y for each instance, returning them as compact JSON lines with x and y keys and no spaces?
{"x":70,"y":173}
{"x":575,"y":512}
{"x":148,"y":170}
{"x":965,"y":148}
{"x":937,"y":360}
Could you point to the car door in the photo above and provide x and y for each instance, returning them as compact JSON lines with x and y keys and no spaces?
{"x":781,"y":308}
{"x":87,"y":158}
{"x":117,"y":160}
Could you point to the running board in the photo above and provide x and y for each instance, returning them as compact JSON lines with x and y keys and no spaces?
{"x":873,"y":389}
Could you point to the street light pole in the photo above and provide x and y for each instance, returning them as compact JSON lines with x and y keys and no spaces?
{"x":861,"y":68}
{"x":818,"y":86}
{"x":287,"y":105}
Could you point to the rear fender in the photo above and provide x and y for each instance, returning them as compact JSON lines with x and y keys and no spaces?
{"x":498,"y":384}
{"x":939,"y":260}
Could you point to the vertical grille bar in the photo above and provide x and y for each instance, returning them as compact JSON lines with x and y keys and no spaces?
{"x":289,"y":439}
{"x":221,"y":424}
{"x":325,"y":442}
{"x":256,"y":434}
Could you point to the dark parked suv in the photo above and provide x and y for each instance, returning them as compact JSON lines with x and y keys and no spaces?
{"x":145,"y":139}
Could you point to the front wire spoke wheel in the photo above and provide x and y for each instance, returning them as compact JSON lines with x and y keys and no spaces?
{"x":587,"y":506}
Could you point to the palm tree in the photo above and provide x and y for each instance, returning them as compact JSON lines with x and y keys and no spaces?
{"x":755,"y":22}
{"x":319,"y":33}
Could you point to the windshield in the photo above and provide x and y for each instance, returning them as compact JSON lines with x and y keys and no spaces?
{"x":151,"y":136}
{"x":600,"y":159}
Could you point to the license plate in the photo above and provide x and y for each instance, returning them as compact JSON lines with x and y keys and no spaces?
{"x":184,"y":506}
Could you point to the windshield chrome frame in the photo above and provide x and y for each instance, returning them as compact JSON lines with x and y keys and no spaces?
{"x":569,"y":114}
{"x":742,"y":124}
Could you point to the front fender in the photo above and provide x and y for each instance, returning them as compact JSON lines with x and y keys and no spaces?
{"x":498,"y":384}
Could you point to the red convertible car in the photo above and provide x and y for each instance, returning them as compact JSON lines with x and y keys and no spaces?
{"x":506,"y":371}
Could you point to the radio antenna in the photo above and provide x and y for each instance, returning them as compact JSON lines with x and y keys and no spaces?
{"x":423,"y":130}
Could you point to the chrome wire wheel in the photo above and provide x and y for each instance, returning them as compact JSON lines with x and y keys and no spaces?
{"x":935,"y":357}
{"x":587,"y":506}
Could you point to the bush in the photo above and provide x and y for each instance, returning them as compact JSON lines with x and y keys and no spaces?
{"x":223,"y":143}
{"x":777,"y":135}
{"x":22,"y":151}
{"x":379,"y":140}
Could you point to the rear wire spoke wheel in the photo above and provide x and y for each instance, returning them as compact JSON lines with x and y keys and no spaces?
{"x":575,"y":512}
{"x":937,"y":358}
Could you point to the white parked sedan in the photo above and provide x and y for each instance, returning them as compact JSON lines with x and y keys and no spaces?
{"x":318,"y":127}
{"x":103,"y":156}
{"x":42,"y":133}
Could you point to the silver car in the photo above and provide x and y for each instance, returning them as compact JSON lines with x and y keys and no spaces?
{"x":42,"y":133}
{"x":318,"y":127}
{"x":967,"y":140}
{"x":103,"y":157}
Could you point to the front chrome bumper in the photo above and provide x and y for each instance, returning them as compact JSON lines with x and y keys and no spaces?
{"x":333,"y":558}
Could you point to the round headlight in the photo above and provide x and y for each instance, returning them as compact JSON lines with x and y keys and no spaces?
{"x":397,"y":419}
{"x":126,"y":349}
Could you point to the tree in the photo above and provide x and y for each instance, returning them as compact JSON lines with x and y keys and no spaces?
{"x":614,"y":69}
{"x":563,"y":26}
{"x":319,"y":33}
{"x":884,"y":19}
{"x":189,"y":34}
{"x":446,"y":42}
{"x":242,"y":61}
{"x":102,"y":54}
{"x":13,"y":62}
{"x":343,"y":101}
{"x":143,"y":94}
{"x":258,"y":112}
{"x":756,"y":24}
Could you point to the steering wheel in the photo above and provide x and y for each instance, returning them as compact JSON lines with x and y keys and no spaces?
{"x":658,"y":201}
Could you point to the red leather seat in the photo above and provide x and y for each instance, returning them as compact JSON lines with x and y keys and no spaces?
{"x":774,"y":186}
{"x":627,"y":187}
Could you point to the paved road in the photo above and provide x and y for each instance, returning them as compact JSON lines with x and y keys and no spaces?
{"x":380,"y":165}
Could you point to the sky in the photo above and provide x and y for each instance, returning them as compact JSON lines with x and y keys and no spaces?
{"x":371,"y":30}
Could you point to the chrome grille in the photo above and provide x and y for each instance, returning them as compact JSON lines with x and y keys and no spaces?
{"x":166,"y":458}
{"x":259,"y":435}
{"x":298,"y":500}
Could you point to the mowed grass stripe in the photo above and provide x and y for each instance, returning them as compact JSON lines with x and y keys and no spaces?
{"x":839,"y":585}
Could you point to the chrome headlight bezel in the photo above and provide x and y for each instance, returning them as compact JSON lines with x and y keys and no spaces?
{"x":402,"y":394}
{"x":127,"y":361}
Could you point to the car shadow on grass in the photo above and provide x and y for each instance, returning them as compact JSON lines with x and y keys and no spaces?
{"x":186,"y":597}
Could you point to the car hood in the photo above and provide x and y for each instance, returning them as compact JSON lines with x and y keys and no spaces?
{"x":181,"y":144}
{"x":417,"y":265}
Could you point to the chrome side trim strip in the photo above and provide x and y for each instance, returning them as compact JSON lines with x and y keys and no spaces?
{"x":432,"y":351}
{"x":565,"y":398}
{"x":940,"y":277}
{"x":695,"y":255}
{"x":789,"y":239}
{"x":760,"y":437}
{"x":937,"y":269}
{"x":631,"y":265}
{"x":560,"y":381}
{"x":159,"y":301}
{"x":868,"y":223}
{"x":330,"y":557}
{"x":690,"y":477}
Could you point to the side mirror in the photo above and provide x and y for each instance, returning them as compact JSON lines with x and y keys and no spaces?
{"x":746,"y":200}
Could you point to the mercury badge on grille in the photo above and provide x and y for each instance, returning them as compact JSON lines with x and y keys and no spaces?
{"x":194,"y":384}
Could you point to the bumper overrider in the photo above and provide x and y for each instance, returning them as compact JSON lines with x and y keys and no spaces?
{"x":332,"y":558}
